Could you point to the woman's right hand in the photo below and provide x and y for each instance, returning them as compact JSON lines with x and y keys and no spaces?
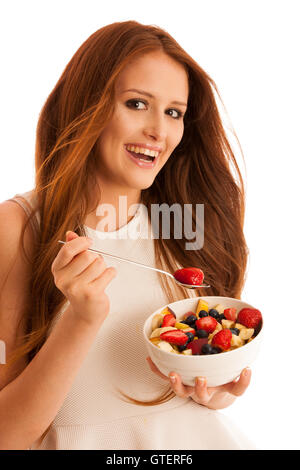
{"x":82,"y":277}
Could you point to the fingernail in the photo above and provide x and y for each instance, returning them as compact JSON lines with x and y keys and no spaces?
{"x":201,"y":380}
{"x":67,"y":233}
{"x":173,"y":378}
{"x":247,"y":371}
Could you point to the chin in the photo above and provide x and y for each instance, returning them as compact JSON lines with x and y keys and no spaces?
{"x":142,"y":183}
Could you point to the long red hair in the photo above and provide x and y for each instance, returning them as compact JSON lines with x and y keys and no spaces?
{"x":203,"y":169}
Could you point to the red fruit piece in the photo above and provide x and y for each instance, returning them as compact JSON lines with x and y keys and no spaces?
{"x":222,"y":339}
{"x":168,"y":320}
{"x":206,"y":323}
{"x":196,"y":345}
{"x":250,"y":317}
{"x":230,"y":314}
{"x":192,"y":276}
{"x":174,"y":336}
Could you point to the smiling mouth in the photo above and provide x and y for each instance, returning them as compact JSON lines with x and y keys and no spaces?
{"x":142,"y":154}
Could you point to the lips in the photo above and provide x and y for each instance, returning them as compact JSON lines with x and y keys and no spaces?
{"x":144,"y":147}
{"x":141,"y":152}
{"x":141,"y":157}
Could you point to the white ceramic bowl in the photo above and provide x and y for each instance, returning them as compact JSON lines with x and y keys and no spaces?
{"x":217,"y":368}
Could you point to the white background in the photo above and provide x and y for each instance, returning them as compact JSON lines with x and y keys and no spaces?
{"x":251,"y":50}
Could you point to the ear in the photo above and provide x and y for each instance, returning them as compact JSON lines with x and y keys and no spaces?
{"x":71,"y":235}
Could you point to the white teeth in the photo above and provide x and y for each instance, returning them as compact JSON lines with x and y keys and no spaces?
{"x":142,"y":150}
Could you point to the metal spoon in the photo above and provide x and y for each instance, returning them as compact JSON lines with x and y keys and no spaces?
{"x":188,"y":286}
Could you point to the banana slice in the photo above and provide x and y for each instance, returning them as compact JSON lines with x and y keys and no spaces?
{"x":218,"y":328}
{"x":246,"y":333}
{"x":220,"y":308}
{"x":227,"y":323}
{"x":239,"y":326}
{"x":157,"y":321}
{"x":165,"y":346}
{"x":236,"y":341}
{"x":158,"y":331}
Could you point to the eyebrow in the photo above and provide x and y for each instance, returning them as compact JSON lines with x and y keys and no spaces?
{"x":151,"y":96}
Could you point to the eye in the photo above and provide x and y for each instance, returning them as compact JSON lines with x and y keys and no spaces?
{"x":136,"y":104}
{"x":176,"y":113}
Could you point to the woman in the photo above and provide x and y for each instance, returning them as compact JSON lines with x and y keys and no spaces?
{"x":78,"y":353}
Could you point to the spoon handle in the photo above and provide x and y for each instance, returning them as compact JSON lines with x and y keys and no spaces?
{"x":124,"y":259}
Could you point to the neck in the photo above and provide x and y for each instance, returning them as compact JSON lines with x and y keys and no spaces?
{"x":113,"y":209}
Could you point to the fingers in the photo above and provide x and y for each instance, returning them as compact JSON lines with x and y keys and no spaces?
{"x":69,"y":251}
{"x":88,"y":268}
{"x":237,"y":388}
{"x":176,"y":384}
{"x":71,"y":235}
{"x":201,"y":391}
{"x":181,"y":390}
{"x":102,"y":282}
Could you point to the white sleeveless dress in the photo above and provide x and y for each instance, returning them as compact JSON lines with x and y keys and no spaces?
{"x":93,"y":416}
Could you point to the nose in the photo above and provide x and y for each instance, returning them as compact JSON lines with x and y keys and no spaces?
{"x":156,"y":128}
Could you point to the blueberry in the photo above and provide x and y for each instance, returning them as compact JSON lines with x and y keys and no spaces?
{"x":190,"y":336}
{"x":235,"y":331}
{"x":207,"y":349}
{"x":182,"y":347}
{"x":214,"y":313}
{"x":216,"y":350}
{"x":191,"y":319}
{"x":203,"y":314}
{"x":221,"y":317}
{"x":201,"y":334}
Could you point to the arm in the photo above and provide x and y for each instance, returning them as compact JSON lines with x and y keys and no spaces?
{"x":29,"y":403}
{"x":31,"y":394}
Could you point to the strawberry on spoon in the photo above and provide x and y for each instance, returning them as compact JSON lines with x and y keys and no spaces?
{"x":192,"y":277}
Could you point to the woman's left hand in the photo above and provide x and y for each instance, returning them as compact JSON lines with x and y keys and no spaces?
{"x":213,"y":397}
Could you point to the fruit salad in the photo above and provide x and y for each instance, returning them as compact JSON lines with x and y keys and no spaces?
{"x":206,"y":331}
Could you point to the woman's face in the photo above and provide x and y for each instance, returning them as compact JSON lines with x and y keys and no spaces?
{"x":151,"y":99}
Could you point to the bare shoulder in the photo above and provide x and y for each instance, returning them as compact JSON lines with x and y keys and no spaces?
{"x":15,"y":274}
{"x":12,"y":221}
